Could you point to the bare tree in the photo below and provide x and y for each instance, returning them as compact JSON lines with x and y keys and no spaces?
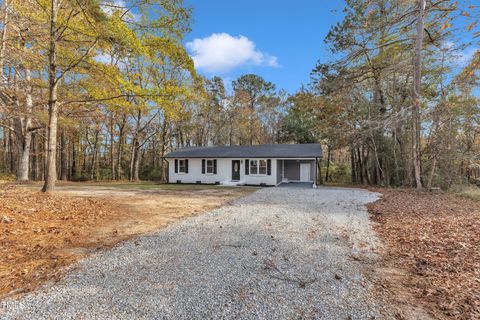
{"x":417,"y":81}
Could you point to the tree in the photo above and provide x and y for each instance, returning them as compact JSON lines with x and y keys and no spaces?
{"x":250,"y":91}
{"x":417,"y":78}
{"x":66,"y":55}
{"x":299,"y":124}
{"x":389,"y":87}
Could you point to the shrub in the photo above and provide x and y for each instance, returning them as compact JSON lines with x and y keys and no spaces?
{"x":7,"y":177}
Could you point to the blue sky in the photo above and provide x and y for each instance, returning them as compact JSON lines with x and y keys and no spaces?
{"x":282,"y":40}
{"x":278,"y":40}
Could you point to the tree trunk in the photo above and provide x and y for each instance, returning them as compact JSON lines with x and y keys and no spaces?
{"x":94,"y":161}
{"x":23,"y":133}
{"x":112,"y":149}
{"x":64,"y":157}
{"x":73,"y":172}
{"x":163,"y":174}
{"x":154,"y":153}
{"x":132,"y":159}
{"x":23,"y":160}
{"x":353,"y":166}
{"x":366,"y":155}
{"x":51,"y":174}
{"x":417,"y":78}
{"x":360,"y":166}
{"x":135,"y":149}
{"x":327,"y":171}
{"x":23,"y":148}
{"x":136,"y":165}
{"x":4,"y":38}
{"x":431,"y":173}
{"x":396,"y":169}
{"x":121,"y":139}
{"x":11,"y":153}
{"x":44,"y":152}
{"x":35,"y":166}
{"x":319,"y":167}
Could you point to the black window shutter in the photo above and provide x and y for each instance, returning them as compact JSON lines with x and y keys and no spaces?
{"x":186,"y":166}
{"x":215,"y":166}
{"x":176,"y":165}
{"x":247,"y":166}
{"x":203,"y":166}
{"x":269,"y":167}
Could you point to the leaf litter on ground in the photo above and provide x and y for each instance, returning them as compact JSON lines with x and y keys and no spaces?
{"x":434,"y":239}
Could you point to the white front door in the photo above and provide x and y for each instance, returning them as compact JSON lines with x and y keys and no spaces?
{"x":305,"y":172}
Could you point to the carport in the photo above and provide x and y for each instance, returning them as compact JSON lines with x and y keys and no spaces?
{"x":296,"y":171}
{"x":297,"y":185}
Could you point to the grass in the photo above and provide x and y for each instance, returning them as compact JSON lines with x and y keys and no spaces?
{"x":472,"y":193}
{"x":469,"y":191}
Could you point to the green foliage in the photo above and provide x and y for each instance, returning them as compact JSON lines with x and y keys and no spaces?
{"x":254,"y":86}
{"x":466,"y":190}
{"x":299,"y":124}
{"x":7,"y":177}
{"x":151,"y":173}
{"x":338,"y":173}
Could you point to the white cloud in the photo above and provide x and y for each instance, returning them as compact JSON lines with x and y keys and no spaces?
{"x":461,"y":56}
{"x":448,"y":45}
{"x":103,"y":57}
{"x":222,"y":52}
{"x":109,"y":6}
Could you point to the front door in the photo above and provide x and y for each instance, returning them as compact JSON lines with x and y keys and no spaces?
{"x":235,"y":170}
{"x":305,"y":172}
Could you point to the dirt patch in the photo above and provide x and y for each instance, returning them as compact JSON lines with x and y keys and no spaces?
{"x":42,"y":234}
{"x":431,"y":251}
{"x":149,"y":209}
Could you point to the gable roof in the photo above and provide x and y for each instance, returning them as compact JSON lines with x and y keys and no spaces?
{"x":310,"y":150}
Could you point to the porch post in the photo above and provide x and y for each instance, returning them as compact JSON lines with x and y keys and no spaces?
{"x":315,"y":175}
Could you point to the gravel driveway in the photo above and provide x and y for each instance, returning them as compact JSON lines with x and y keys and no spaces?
{"x":279,"y":253}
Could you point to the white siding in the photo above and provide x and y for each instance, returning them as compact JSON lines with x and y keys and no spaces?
{"x":224,"y":172}
{"x":259,"y":179}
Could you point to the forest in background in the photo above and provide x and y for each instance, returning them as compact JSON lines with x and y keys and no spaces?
{"x":91,"y":90}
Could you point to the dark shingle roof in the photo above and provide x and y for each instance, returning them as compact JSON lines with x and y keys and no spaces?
{"x":311,"y":150}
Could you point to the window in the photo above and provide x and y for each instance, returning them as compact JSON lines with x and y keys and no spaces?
{"x":210,"y":166}
{"x":262,"y":167}
{"x":253,"y":166}
{"x":182,"y":166}
{"x":258,"y":167}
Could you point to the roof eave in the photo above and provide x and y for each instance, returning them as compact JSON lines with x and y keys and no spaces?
{"x":244,"y":157}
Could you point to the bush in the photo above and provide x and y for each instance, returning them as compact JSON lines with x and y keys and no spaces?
{"x":151,"y":173}
{"x":338,"y":173}
{"x":80,"y":178}
{"x":468,"y":190}
{"x":7,"y":177}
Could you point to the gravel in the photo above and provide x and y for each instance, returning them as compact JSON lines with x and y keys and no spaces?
{"x":279,"y":253}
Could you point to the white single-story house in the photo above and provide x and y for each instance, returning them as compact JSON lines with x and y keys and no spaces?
{"x":265,"y":165}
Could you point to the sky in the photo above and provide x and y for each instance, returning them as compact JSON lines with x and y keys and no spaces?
{"x":278,"y":40}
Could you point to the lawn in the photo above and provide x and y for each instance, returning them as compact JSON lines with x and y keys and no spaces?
{"x":42,"y":234}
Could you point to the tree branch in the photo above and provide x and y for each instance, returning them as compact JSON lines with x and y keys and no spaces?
{"x":76,"y":63}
